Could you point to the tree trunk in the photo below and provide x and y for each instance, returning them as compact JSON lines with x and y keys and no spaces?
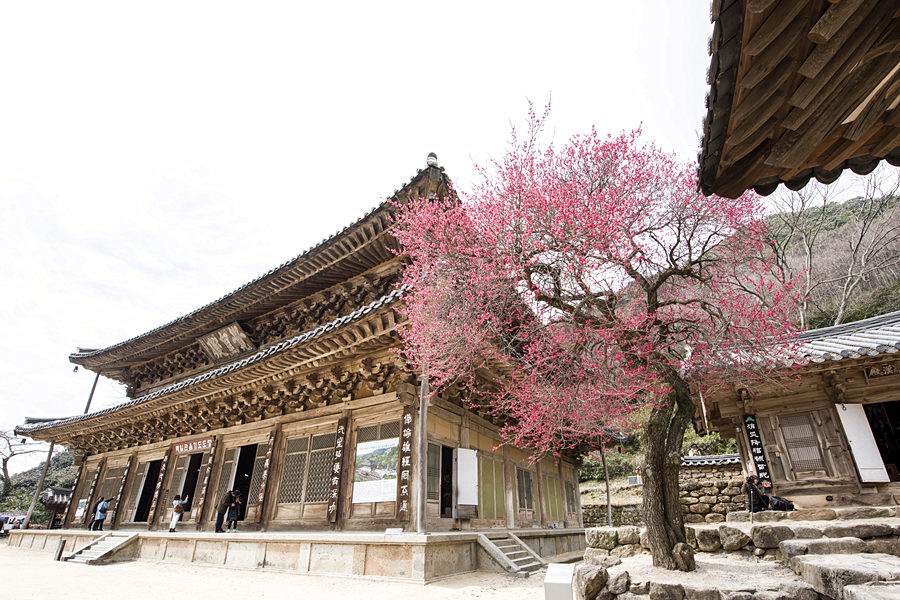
{"x":663,"y":436}
{"x":609,"y":519}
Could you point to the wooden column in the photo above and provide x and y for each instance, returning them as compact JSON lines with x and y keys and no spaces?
{"x":115,"y":514}
{"x":509,"y":482}
{"x":540,"y":510}
{"x":563,"y":498}
{"x":272,"y":482}
{"x":264,"y":478}
{"x":90,"y":499}
{"x":151,"y":518}
{"x":212,"y":461}
{"x":68,"y":509}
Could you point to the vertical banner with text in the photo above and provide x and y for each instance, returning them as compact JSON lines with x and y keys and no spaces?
{"x":334,"y":491}
{"x":404,"y":478}
{"x":756,"y":451}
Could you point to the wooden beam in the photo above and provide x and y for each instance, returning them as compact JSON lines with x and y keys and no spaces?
{"x":823,"y":53}
{"x":829,"y":23}
{"x":774,"y":24}
{"x":772,"y":58}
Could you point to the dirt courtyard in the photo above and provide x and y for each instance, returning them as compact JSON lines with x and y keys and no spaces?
{"x":35,"y":574}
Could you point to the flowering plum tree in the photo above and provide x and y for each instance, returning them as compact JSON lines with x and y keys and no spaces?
{"x":577,"y":289}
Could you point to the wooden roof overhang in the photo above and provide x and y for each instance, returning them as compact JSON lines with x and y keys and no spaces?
{"x":799,"y":89}
{"x":819,"y":370}
{"x":367,"y":330}
{"x":357,"y":248}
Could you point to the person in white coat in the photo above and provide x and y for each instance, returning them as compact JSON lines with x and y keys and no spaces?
{"x":177,"y":510}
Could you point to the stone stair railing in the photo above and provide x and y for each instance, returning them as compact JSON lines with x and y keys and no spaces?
{"x":511,"y":553}
{"x":101,"y":549}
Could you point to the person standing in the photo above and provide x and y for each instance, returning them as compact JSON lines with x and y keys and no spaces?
{"x":222,"y":508}
{"x":177,"y":510}
{"x":234,"y":512}
{"x":100,"y":515}
{"x":94,"y":513}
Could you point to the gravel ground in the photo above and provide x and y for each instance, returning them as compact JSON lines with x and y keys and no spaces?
{"x":34,"y":574}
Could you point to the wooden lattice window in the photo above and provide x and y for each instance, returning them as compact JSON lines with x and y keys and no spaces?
{"x":801,"y":443}
{"x":111,"y":483}
{"x":306,"y":475}
{"x":571,"y":505}
{"x":434,"y":472}
{"x":525,"y":489}
{"x":491,"y":496}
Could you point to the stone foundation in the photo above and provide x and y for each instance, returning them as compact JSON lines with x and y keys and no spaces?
{"x":709,"y":492}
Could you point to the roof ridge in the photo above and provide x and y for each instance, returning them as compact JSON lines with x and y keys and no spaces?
{"x":263,"y":353}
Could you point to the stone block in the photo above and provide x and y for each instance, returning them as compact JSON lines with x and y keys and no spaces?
{"x":883,"y":545}
{"x":769,"y":516}
{"x":601,"y":537}
{"x":800,"y":590}
{"x":845,"y":545}
{"x":860,"y":530}
{"x":645,"y":541}
{"x":689,"y":486}
{"x":732,"y":538}
{"x":709,"y":499}
{"x":600,"y":560}
{"x":828,"y":574}
{"x":692,"y":592}
{"x":710,"y":490}
{"x":700,"y":508}
{"x":690,"y":536}
{"x":791,"y":548}
{"x":641,"y":588}
{"x":719,"y":508}
{"x":708,"y":540}
{"x":589,"y":580}
{"x":714,"y":518}
{"x":666,"y":591}
{"x":807,"y":533}
{"x":626,"y":550}
{"x":813,"y":514}
{"x":618,"y":584}
{"x":738,"y":596}
{"x":732,"y":491}
{"x":864,"y":512}
{"x":595,"y":552}
{"x":738,"y":516}
{"x":689,"y":500}
{"x":629,"y":534}
{"x":768,"y":536}
{"x":692,"y":518}
{"x":873,"y":591}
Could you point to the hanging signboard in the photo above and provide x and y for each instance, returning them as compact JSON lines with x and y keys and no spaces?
{"x":756,"y":451}
{"x":403,"y":481}
{"x":334,"y":490}
{"x":201,"y":445}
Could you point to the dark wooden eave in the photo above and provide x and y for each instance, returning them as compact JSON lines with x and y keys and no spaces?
{"x":360,"y":246}
{"x":799,"y":89}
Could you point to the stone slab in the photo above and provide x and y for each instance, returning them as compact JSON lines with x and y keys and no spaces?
{"x":875,"y":591}
{"x":829,"y":573}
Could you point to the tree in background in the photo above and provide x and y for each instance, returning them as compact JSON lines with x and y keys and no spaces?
{"x":11,"y":446}
{"x":837,"y":249}
{"x":594,"y":278}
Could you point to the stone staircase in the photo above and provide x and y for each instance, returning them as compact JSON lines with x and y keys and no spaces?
{"x":511,"y":553}
{"x":838,"y":568}
{"x":102,"y":548}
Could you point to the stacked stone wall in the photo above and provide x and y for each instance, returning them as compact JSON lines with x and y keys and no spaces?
{"x":709,"y":492}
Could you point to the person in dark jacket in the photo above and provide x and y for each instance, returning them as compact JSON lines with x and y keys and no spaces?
{"x":221,"y":508}
{"x":756,"y":499}
{"x":100,"y":515}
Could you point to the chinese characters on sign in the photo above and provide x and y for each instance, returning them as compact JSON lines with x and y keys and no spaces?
{"x":756,"y":450}
{"x":882,"y":370}
{"x":193,"y":446}
{"x":404,"y":480}
{"x":334,"y":491}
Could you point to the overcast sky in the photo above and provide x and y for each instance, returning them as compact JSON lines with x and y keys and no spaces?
{"x":154,"y":159}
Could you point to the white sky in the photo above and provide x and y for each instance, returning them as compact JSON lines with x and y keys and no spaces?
{"x":154,"y":159}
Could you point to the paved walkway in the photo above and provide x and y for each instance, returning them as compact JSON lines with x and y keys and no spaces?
{"x":34,"y":574}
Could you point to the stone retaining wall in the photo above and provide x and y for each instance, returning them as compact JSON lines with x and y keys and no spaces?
{"x":594,"y":515}
{"x":709,"y":492}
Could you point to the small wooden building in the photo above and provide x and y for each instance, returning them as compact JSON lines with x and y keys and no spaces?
{"x":828,"y":432}
{"x":289,"y":389}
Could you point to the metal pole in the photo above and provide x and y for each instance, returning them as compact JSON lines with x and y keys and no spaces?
{"x":422,"y":462}
{"x":40,"y":484}
{"x":91,"y":397}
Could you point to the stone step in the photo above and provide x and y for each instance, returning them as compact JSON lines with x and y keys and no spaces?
{"x":829,"y":573}
{"x":511,"y":554}
{"x":530,"y":567}
{"x":873,"y":591}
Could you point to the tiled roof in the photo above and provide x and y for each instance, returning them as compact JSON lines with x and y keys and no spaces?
{"x":276,"y":276}
{"x":263,"y":354}
{"x":56,"y":495}
{"x":711,"y":460}
{"x":869,"y":337}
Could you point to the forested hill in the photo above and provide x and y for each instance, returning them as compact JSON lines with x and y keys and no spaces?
{"x":852,"y":249}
